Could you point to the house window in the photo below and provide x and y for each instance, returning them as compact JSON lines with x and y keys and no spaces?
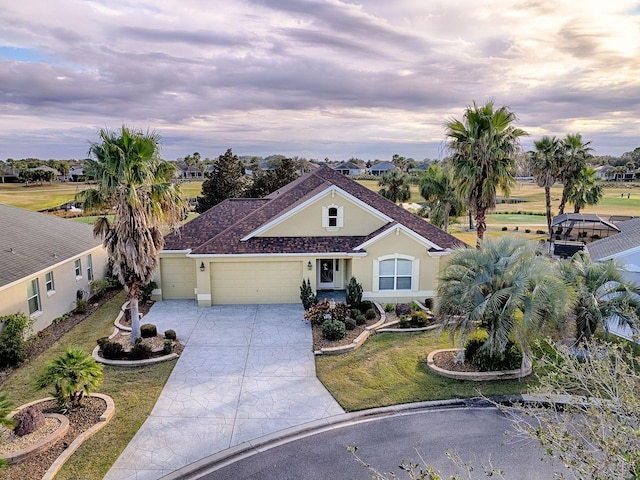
{"x":48,"y":281}
{"x":332,"y":217}
{"x":89,"y":268}
{"x":33,"y":296}
{"x":395,"y":274}
{"x":78,"y":266}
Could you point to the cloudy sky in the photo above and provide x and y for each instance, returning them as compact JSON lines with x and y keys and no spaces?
{"x":313,"y":78}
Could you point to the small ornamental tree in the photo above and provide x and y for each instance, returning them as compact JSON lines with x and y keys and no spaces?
{"x":73,"y":375}
{"x":12,"y":342}
{"x":354,"y":292}
{"x":307,"y":296}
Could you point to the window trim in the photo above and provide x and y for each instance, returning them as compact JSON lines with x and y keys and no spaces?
{"x":78,"y":268}
{"x":415,"y":273}
{"x":337,"y":220}
{"x":89,"y":268}
{"x":36,"y":295}
{"x":50,"y":284}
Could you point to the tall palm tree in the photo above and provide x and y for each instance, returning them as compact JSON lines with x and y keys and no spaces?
{"x":437,"y":188}
{"x":574,"y":162}
{"x":395,"y":186}
{"x":483,"y":147}
{"x":505,"y":286}
{"x":602,"y":294}
{"x":545,"y":166}
{"x":134,"y":184}
{"x":585,"y":190}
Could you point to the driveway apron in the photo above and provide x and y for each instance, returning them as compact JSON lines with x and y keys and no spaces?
{"x":246,"y":371}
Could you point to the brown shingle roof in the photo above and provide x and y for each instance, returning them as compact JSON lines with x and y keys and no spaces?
{"x":220,"y":229}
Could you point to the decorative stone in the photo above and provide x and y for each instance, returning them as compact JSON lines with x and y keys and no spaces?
{"x":28,"y":420}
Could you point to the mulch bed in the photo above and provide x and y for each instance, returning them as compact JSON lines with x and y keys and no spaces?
{"x":80,"y":420}
{"x":47,"y":337}
{"x":320,"y":342}
{"x":447,"y":361}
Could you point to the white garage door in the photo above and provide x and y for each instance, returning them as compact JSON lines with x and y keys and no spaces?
{"x":268,"y":282}
{"x":178,"y":278}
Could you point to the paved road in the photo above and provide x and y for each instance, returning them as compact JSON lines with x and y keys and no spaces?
{"x":476,"y":433}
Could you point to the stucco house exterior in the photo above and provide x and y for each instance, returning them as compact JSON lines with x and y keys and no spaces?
{"x":323,"y":227}
{"x":349,"y":168}
{"x":381,"y":168}
{"x":44,"y":261}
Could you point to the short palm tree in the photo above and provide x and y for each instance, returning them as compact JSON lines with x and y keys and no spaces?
{"x":483,"y":150}
{"x":437,"y":188}
{"x":585,"y":190}
{"x":134,"y":182}
{"x":395,"y":186}
{"x":505,"y":286}
{"x":574,"y":161}
{"x":545,"y":166}
{"x":602,"y":295}
{"x":6,"y":407}
{"x":73,"y":375}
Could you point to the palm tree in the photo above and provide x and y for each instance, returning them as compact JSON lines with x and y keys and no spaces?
{"x":395,"y":186}
{"x":601,"y":295}
{"x":573,"y":163}
{"x":585,"y":190}
{"x":136,"y":184}
{"x":545,"y":166}
{"x":505,"y":286}
{"x":73,"y":375}
{"x":483,"y":148}
{"x":6,"y":407}
{"x":437,"y":188}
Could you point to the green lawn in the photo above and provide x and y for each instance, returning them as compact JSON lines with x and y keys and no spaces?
{"x":390,"y":368}
{"x":134,"y":391}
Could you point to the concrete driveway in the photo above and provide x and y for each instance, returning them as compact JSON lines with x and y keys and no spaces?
{"x":246,"y":371}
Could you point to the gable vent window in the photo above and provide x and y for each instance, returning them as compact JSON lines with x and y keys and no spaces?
{"x":332,"y":217}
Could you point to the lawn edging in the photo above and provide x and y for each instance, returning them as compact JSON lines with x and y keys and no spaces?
{"x":476,"y":376}
{"x":130,"y":363}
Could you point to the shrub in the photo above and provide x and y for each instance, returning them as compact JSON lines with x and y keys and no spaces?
{"x":316,"y":313}
{"x":504,"y":229}
{"x":428,"y":302}
{"x":405,"y":322}
{"x":112,"y":350}
{"x":170,"y":334}
{"x":355,"y":312}
{"x":12,"y":342}
{"x":527,"y":230}
{"x":370,"y":314}
{"x":307,"y":296}
{"x":6,"y":407}
{"x":361,"y":319}
{"x":354,"y":292}
{"x":350,"y":323}
{"x":333,"y":330}
{"x":389,"y":307}
{"x":365,"y":305}
{"x":73,"y":375}
{"x":82,"y":305}
{"x":541,"y":232}
{"x":140,"y":351}
{"x":167,"y":348}
{"x":147,"y":291}
{"x":102,"y":340}
{"x":419,"y":319}
{"x":478,"y":356}
{"x":97,"y":288}
{"x":60,"y":319}
{"x":148,"y":330}
{"x":402,"y":309}
{"x":414,"y":306}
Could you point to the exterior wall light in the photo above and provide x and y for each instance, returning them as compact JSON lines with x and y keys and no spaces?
{"x":309,"y":266}
{"x":202,"y":266}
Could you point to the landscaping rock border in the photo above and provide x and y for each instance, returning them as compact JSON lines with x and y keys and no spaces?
{"x":42,"y":444}
{"x":130,"y":363}
{"x":476,"y":376}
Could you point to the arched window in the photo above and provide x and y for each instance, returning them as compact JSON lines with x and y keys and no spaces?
{"x":332,"y":217}
{"x":395,"y":274}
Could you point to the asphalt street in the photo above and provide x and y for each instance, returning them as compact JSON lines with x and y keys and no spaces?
{"x":477,"y":434}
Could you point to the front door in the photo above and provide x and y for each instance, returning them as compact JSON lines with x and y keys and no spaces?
{"x":326,"y":271}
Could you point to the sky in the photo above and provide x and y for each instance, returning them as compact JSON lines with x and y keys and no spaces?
{"x":317,"y":78}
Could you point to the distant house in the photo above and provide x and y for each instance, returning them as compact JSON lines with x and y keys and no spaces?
{"x":190,"y":172}
{"x":45,"y":263}
{"x":56,"y":173}
{"x":381,"y":168}
{"x":349,"y":168}
{"x":572,"y":231}
{"x":76,"y":174}
{"x":604,"y":172}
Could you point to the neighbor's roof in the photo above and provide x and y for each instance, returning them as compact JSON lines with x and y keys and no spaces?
{"x":383,"y":166}
{"x":31,"y":242}
{"x":347,"y":166}
{"x":581,"y":218}
{"x":220,"y":230}
{"x":627,"y":239}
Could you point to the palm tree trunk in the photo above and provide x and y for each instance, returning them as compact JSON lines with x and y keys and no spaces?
{"x":563,"y":199}
{"x":135,"y":317}
{"x":481,"y":225}
{"x":447,"y":209}
{"x":547,"y":199}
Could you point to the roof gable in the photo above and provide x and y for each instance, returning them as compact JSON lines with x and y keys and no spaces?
{"x":627,"y":241}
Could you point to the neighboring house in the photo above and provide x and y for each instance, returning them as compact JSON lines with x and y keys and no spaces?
{"x":189,"y":172}
{"x":382,"y":168}
{"x":76,"y":174}
{"x":624,"y":248}
{"x":323,"y":226}
{"x":349,"y":168}
{"x":56,"y":173}
{"x":604,"y":172}
{"x":44,"y":262}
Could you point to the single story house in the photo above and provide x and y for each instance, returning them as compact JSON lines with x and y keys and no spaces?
{"x":382,"y":168}
{"x":323,"y":227}
{"x":44,"y":262}
{"x":624,"y":248}
{"x":349,"y":168}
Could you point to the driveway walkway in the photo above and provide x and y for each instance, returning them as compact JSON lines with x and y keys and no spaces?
{"x":246,"y":371}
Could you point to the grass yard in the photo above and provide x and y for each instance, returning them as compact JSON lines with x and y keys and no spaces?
{"x":134,"y":391}
{"x":373,"y":185}
{"x":391,"y":368}
{"x":39,"y":197}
